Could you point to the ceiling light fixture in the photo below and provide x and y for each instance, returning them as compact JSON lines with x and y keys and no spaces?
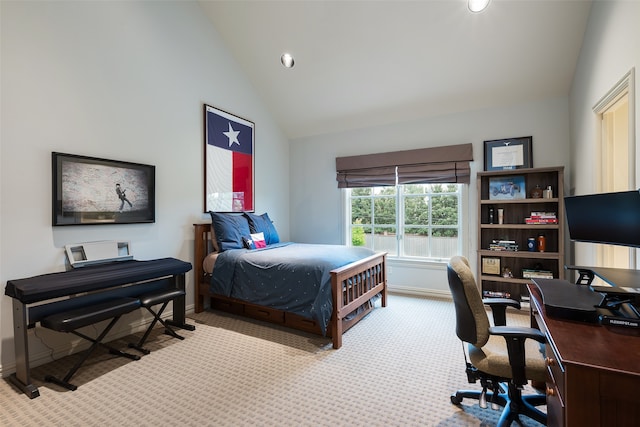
{"x":287,"y":60}
{"x":476,"y":6}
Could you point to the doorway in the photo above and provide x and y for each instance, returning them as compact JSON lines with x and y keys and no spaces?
{"x":617,"y":159}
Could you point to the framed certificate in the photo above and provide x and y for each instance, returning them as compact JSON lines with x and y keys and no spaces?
{"x":505,"y":154}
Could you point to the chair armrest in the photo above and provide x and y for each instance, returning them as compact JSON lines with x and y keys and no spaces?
{"x":518,"y":332}
{"x":515,"y":337}
{"x":499,"y":308}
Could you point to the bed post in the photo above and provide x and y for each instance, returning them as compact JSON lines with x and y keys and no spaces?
{"x":200,"y":243}
{"x":336,"y":317}
{"x":384,"y":280}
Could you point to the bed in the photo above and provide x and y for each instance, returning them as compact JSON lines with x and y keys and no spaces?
{"x":351,"y":289}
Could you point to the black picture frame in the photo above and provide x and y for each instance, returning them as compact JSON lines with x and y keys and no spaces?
{"x":91,"y":191}
{"x":508,"y":154}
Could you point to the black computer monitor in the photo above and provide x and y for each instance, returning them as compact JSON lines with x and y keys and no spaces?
{"x":609,"y":218}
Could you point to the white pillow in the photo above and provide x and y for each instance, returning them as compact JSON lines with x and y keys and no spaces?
{"x":258,"y":240}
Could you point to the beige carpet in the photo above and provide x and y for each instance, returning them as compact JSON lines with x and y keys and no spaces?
{"x":397,"y":367}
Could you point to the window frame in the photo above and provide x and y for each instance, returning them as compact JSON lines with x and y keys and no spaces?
{"x":400,"y":198}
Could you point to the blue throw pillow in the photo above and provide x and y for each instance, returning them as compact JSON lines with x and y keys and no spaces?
{"x":229,"y":229}
{"x":263,"y":224}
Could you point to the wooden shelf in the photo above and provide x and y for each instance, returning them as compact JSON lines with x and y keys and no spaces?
{"x":518,"y":201}
{"x":521,"y":226}
{"x":490,"y":278}
{"x":519,"y":254}
{"x":515,"y":228}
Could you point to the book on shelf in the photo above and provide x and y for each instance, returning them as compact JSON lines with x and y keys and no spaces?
{"x":542,"y":218}
{"x":528,"y":273}
{"x":543,"y":214}
{"x":498,"y":248}
{"x":503,"y":245}
{"x":495,"y":294}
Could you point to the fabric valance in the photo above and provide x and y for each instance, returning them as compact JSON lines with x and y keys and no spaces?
{"x":447,"y":164}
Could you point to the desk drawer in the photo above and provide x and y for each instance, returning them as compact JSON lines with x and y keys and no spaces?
{"x":555,"y":370}
{"x":555,"y":407}
{"x":556,"y":393}
{"x":556,"y":389}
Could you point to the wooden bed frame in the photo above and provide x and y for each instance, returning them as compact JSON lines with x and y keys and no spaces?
{"x":352,"y":286}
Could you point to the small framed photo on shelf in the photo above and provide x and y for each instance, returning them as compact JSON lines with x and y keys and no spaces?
{"x":506,"y":154}
{"x":507,"y":188}
{"x":491,"y":265}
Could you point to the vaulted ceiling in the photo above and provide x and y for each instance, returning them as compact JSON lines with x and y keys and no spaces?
{"x":367,"y":63}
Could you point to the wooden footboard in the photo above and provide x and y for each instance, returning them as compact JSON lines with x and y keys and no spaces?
{"x":352,"y":286}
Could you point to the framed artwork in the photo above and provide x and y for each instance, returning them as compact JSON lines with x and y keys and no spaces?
{"x":505,"y":154}
{"x":491,"y":265}
{"x":228,"y":162}
{"x":507,"y":188}
{"x":90,"y":191}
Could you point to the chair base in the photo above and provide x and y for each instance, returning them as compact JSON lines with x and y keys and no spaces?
{"x":513,"y":402}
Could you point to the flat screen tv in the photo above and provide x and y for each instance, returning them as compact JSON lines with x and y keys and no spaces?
{"x":608,"y":218}
{"x":90,"y":191}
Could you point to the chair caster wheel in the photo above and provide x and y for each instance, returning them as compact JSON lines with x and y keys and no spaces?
{"x":455,"y":399}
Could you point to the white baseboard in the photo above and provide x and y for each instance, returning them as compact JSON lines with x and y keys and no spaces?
{"x":422,"y":292}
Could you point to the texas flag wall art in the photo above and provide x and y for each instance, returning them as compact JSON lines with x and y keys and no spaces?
{"x":229,"y":145}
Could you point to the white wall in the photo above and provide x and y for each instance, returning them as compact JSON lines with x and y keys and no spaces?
{"x":316,"y":208}
{"x":124,"y":81}
{"x":610,"y":49}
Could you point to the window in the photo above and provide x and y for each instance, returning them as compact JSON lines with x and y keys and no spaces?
{"x":421,"y":221}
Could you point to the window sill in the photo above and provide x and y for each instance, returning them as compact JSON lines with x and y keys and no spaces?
{"x":417,"y":263}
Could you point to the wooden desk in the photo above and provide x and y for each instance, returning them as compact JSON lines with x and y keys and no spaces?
{"x":593,"y":372}
{"x":34,"y":298}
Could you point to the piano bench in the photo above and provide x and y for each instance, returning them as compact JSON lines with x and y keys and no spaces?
{"x":151,"y":299}
{"x":72,"y":320}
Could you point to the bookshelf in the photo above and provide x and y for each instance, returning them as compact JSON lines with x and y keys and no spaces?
{"x":511,"y":191}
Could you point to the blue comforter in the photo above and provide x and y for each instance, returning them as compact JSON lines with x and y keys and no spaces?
{"x":293,"y":277}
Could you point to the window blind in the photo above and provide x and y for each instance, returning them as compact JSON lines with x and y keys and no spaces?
{"x":447,"y":164}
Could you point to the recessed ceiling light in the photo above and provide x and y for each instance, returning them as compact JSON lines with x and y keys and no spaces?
{"x":478,"y":5}
{"x":287,"y":60}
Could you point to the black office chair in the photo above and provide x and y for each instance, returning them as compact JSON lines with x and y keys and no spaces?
{"x":500,"y":357}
